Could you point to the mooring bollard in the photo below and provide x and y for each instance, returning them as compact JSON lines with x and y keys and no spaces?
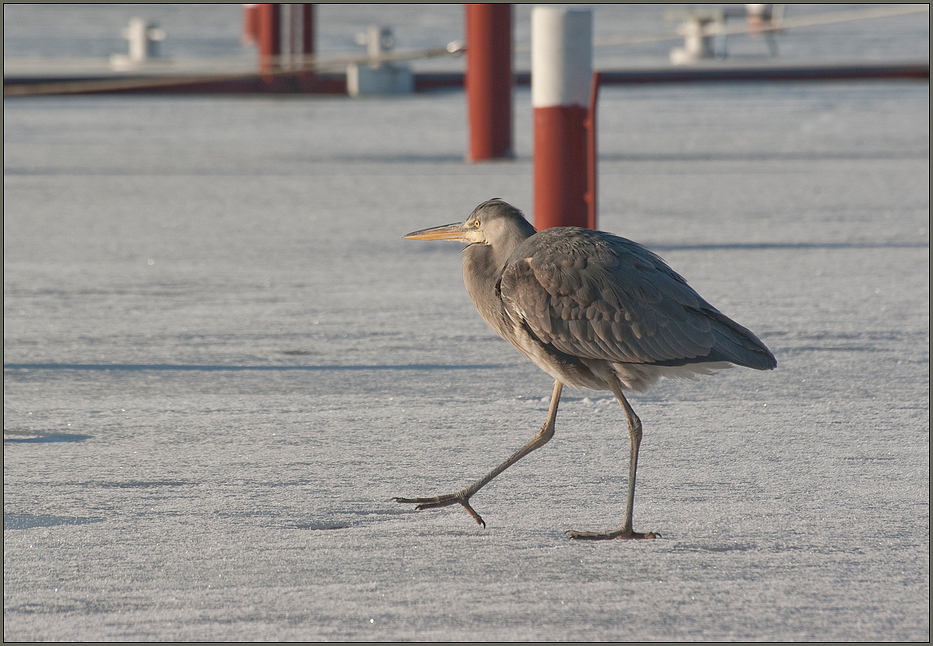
{"x":378,"y":77}
{"x":143,"y":39}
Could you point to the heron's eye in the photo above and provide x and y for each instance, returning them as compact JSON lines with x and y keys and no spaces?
{"x":474,"y":224}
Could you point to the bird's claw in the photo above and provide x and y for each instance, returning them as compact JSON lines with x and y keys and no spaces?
{"x":472,"y":512}
{"x":444,"y":501}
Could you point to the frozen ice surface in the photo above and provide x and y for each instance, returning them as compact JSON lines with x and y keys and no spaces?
{"x":221,"y":362}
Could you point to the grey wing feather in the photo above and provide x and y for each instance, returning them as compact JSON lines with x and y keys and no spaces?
{"x":594,"y":295}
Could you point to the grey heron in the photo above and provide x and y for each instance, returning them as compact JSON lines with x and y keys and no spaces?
{"x":592,"y":310}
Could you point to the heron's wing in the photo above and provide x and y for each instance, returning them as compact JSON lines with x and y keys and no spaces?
{"x":593,"y":295}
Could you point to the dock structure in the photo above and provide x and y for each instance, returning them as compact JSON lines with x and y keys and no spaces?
{"x":336,"y":82}
{"x":288,"y":62}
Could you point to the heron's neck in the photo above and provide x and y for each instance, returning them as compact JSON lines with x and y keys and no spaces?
{"x":482,"y":268}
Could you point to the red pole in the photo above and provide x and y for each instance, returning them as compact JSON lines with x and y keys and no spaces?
{"x":250,"y":24}
{"x":560,"y":173}
{"x":307,"y":45}
{"x":270,"y":37}
{"x":590,"y":123}
{"x":489,"y":80}
{"x":307,"y":29}
{"x":561,"y":74}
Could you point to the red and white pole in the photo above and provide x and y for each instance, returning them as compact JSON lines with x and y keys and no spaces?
{"x":489,"y":80}
{"x":561,"y":82}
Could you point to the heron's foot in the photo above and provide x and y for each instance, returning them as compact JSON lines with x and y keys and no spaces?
{"x":605,"y":536}
{"x":444,"y":501}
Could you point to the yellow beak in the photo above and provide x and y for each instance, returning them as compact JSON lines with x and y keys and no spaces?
{"x":447,"y":232}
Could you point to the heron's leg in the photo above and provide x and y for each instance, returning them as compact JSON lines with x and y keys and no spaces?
{"x":545,"y":433}
{"x":634,"y":433}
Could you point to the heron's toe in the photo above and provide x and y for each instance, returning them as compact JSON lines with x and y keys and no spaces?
{"x":472,"y":512}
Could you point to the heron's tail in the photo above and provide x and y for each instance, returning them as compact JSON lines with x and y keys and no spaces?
{"x":739,"y":345}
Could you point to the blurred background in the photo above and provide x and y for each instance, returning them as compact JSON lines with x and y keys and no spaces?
{"x":42,"y":36}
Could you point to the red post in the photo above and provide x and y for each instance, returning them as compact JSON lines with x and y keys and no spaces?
{"x":307,"y":29}
{"x":270,"y":37}
{"x":250,"y":24}
{"x":489,"y":80}
{"x":561,"y":89}
{"x":560,"y":169}
{"x":306,"y":80}
{"x":590,"y":123}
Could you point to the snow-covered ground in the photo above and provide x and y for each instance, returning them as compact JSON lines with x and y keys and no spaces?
{"x":222,"y":361}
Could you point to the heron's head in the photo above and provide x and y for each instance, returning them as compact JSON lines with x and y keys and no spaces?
{"x":494,"y":223}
